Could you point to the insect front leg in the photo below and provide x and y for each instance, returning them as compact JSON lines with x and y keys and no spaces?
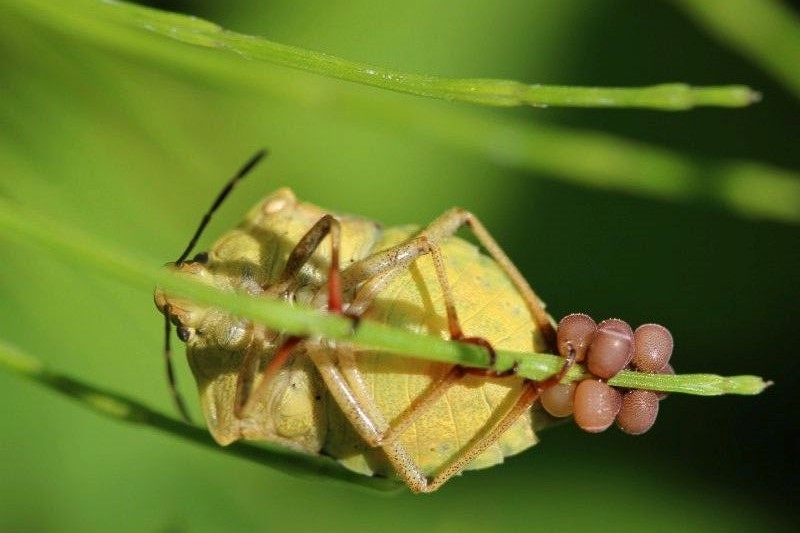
{"x":302,"y":252}
{"x":284,"y":288}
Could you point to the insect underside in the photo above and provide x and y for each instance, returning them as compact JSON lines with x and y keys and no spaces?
{"x":341,"y":400}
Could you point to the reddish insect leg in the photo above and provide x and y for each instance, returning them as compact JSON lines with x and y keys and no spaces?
{"x":282,"y":355}
{"x":285,"y":287}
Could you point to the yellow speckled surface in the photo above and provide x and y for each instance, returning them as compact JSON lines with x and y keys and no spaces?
{"x":297,"y":411}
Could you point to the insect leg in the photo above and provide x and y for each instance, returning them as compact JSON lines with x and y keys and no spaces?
{"x":372,"y":274}
{"x":303,"y":251}
{"x":531,"y":390}
{"x":451,"y":221}
{"x":378,"y":270}
{"x":275,"y":364}
{"x":421,"y":404}
{"x":445,"y":226}
{"x":287,"y":284}
{"x":529,"y":393}
{"x":361,"y":411}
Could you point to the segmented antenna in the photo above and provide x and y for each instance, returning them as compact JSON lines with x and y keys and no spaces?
{"x":220,"y":198}
{"x":177,"y":399}
{"x":173,"y":385}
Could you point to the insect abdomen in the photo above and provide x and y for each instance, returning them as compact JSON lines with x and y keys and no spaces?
{"x":488,"y":307}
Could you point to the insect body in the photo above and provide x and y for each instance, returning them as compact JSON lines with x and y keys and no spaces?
{"x":376,"y":413}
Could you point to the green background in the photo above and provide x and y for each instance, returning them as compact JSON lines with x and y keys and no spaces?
{"x":130,"y":145}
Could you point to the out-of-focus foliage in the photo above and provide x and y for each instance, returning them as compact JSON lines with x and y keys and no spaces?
{"x":129,"y":145}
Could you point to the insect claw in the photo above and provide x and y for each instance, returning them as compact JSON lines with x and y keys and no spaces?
{"x":569,"y":361}
{"x":480,"y":341}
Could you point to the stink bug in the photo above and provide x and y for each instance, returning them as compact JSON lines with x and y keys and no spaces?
{"x":378,"y":413}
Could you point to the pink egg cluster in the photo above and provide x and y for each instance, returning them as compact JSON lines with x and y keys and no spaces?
{"x":607,"y":348}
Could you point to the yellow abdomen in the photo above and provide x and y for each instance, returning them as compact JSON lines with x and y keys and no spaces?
{"x":488,"y":306}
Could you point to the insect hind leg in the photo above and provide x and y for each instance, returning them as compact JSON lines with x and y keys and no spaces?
{"x":530,"y":392}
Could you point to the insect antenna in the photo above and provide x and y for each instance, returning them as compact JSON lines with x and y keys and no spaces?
{"x":177,"y":399}
{"x":220,"y":198}
{"x":173,"y":384}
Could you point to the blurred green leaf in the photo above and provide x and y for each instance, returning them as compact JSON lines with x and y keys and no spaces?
{"x":765,"y":31}
{"x":586,"y":158}
{"x":125,"y":134}
{"x":198,"y":32}
{"x":124,"y":409}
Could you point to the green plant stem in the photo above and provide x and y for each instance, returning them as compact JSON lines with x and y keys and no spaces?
{"x":765,"y":31}
{"x":125,"y":409}
{"x":746,"y":187}
{"x":32,"y":228}
{"x":494,"y":92}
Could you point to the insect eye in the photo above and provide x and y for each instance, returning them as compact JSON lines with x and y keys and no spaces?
{"x":184,"y":333}
{"x":201,"y":257}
